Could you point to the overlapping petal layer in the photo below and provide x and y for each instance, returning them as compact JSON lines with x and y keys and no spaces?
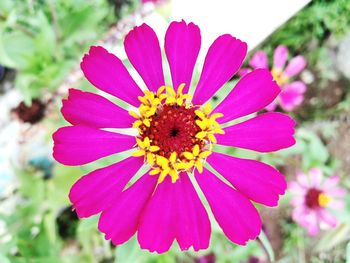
{"x":252,"y":93}
{"x":256,"y":180}
{"x":90,"y":109}
{"x":267,"y":132}
{"x":174,"y":212}
{"x":120,"y":221}
{"x":224,"y":58}
{"x":95,"y":191}
{"x":235,"y":214}
{"x":107,"y":72}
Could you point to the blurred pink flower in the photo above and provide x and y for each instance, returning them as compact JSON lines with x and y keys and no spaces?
{"x":292,"y":94}
{"x":313,"y":198}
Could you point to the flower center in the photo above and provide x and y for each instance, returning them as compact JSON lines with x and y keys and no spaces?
{"x":174,"y":135}
{"x":315,"y":199}
{"x":279,"y":76}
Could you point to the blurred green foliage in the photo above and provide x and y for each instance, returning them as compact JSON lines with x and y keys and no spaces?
{"x":311,"y":27}
{"x":44,"y":39}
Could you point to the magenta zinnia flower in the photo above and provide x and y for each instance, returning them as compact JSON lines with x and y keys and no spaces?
{"x":174,"y":139}
{"x":313,"y":198}
{"x":292,"y":94}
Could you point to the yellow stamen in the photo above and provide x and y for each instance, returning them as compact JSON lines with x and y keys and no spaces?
{"x":279,"y":76}
{"x":323,"y":199}
{"x":152,"y":104}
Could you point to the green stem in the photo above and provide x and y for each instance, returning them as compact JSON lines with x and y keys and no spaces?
{"x":267,"y":246}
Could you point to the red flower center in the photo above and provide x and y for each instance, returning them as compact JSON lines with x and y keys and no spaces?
{"x":173,"y":129}
{"x":312,"y":198}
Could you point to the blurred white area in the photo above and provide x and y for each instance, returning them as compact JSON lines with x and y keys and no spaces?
{"x":249,"y":20}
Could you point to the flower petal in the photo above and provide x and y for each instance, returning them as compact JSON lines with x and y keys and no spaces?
{"x":295,"y":66}
{"x":182,"y":45}
{"x":107,"y":72}
{"x":157,"y":228}
{"x":259,"y":60}
{"x":192,"y":219}
{"x":256,"y":180}
{"x":77,"y":145}
{"x":292,"y":95}
{"x":143,"y":50}
{"x":267,"y":132}
{"x":280,"y":57}
{"x":327,"y":217}
{"x":89,"y":109}
{"x":224,"y":58}
{"x":315,"y":176}
{"x":244,"y":71}
{"x":95,"y":191}
{"x":235,"y":214}
{"x":120,"y":221}
{"x":272,"y":106}
{"x":252,"y":93}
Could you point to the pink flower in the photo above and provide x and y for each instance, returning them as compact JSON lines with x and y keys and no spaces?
{"x":175,"y":138}
{"x":292,"y":94}
{"x":313,"y":197}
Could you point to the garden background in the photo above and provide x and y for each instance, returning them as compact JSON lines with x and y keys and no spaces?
{"x":41,"y":45}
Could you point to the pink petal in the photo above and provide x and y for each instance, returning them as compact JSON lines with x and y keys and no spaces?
{"x":224,"y":58}
{"x":193,"y":225}
{"x":77,"y":145}
{"x":120,"y":221}
{"x":95,"y":191}
{"x":337,"y":204}
{"x":295,"y":66}
{"x":315,"y":175}
{"x":256,"y":180}
{"x":292,"y":95}
{"x":158,"y":225}
{"x":331,"y":182}
{"x":272,"y":106}
{"x":107,"y":72}
{"x":296,"y":188}
{"x":143,"y":50}
{"x":89,"y":109}
{"x":243,"y":72}
{"x":280,"y":57}
{"x":252,"y":93}
{"x":327,"y":217}
{"x":259,"y":60}
{"x":267,"y":132}
{"x":298,"y":200}
{"x":313,"y":224}
{"x":308,"y":219}
{"x":298,"y":215}
{"x":337,"y":192}
{"x":235,"y":214}
{"x":182,"y":45}
{"x":303,"y":180}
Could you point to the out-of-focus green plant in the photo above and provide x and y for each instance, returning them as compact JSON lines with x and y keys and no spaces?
{"x":311,"y":27}
{"x":44,"y":39}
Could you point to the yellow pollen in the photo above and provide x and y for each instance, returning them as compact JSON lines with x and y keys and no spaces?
{"x":323,"y":199}
{"x":163,"y":165}
{"x":279,"y":76}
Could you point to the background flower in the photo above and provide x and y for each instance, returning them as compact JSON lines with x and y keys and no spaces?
{"x":314,"y":197}
{"x":292,"y":94}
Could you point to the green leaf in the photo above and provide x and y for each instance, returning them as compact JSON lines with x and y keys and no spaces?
{"x":14,"y":47}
